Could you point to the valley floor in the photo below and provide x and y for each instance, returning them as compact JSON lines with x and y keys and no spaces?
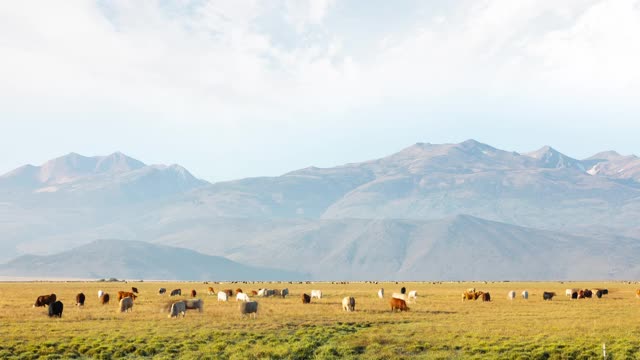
{"x":438,"y":326}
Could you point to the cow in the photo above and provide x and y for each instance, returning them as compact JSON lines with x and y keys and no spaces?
{"x":238,"y":290}
{"x":177,"y":308}
{"x":574,"y":295}
{"x":285,"y":292}
{"x":222,"y":296}
{"x":638,"y":293}
{"x":471,"y":290}
{"x":55,"y":309}
{"x":403,"y":290}
{"x":210,"y":291}
{"x":126,"y":304}
{"x":467,"y":295}
{"x":588,"y":293}
{"x":100,"y":293}
{"x":277,"y":292}
{"x":262,"y":292}
{"x":242,"y":297}
{"x":525,"y":295}
{"x":45,"y":300}
{"x":229,"y":292}
{"x":569,"y":292}
{"x":254,"y":293}
{"x":194,"y":304}
{"x":398,"y":304}
{"x":349,"y":304}
{"x":193,"y":293}
{"x":249,"y":308}
{"x":486,"y":297}
{"x":124,"y":294}
{"x":548,"y":295}
{"x":316,"y":294}
{"x":600,"y":292}
{"x":162,"y":291}
{"x":381,"y":293}
{"x":511,"y":295}
{"x":104,"y":300}
{"x":80,"y":299}
{"x":398,"y":296}
{"x":176,"y":292}
{"x":306,"y":299}
{"x":134,"y":290}
{"x":413,"y":294}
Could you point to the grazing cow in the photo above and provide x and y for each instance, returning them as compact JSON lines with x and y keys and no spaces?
{"x":100,"y":293}
{"x":486,"y":297}
{"x":547,"y":295}
{"x":249,"y":308}
{"x":580,"y":294}
{"x":398,"y":304}
{"x":471,"y":290}
{"x":176,"y":292}
{"x":210,"y":291}
{"x":134,"y":290}
{"x":285,"y":292}
{"x":55,"y":309}
{"x":600,"y":292}
{"x":525,"y":295}
{"x":80,"y":299}
{"x":242,"y":297}
{"x":569,"y":292}
{"x":262,"y":292}
{"x":467,"y":295}
{"x":238,"y":290}
{"x":403,"y":290}
{"x":193,"y":293}
{"x":177,"y":308}
{"x":277,"y":292}
{"x":222,"y":296}
{"x":194,"y":304}
{"x":588,"y":293}
{"x":254,"y":293}
{"x":511,"y":295}
{"x":306,"y":299}
{"x":45,"y":300}
{"x":381,"y":293}
{"x":126,"y":304}
{"x":104,"y":300}
{"x":229,"y":292}
{"x":398,"y":296}
{"x":574,"y":295}
{"x":162,"y":291}
{"x":124,"y":294}
{"x":316,"y":294}
{"x":349,"y":304}
{"x":271,"y":292}
{"x":413,"y":294}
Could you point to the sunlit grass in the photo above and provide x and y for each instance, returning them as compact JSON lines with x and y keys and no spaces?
{"x":439,"y":324}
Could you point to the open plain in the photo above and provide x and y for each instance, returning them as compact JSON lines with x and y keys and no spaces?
{"x":438,"y":325}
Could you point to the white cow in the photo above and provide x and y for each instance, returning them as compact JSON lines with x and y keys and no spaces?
{"x":222,"y":296}
{"x":525,"y":294}
{"x":242,"y":297}
{"x":316,"y":294}
{"x":262,"y":292}
{"x":381,"y":293}
{"x":511,"y":295}
{"x":349,"y":304}
{"x":100,"y":293}
{"x":569,"y":292}
{"x":398,"y":296}
{"x":413,"y":294}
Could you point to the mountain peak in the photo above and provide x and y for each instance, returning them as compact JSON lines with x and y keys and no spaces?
{"x":549,"y":157}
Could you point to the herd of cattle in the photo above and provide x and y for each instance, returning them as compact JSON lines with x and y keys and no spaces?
{"x":397,"y":302}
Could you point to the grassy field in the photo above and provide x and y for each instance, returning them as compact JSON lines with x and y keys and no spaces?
{"x":438,"y":326}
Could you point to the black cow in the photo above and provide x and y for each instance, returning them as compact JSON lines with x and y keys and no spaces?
{"x":176,"y":292}
{"x":134,"y":290}
{"x":548,"y":295}
{"x":80,"y":299}
{"x":403,"y":290}
{"x":55,"y":309}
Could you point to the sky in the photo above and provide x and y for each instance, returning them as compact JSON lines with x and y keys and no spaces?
{"x":232,"y":89}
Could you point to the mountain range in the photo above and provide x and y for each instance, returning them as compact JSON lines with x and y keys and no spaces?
{"x":417,"y":214}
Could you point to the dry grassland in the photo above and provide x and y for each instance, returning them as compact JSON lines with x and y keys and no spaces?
{"x":438,"y":326}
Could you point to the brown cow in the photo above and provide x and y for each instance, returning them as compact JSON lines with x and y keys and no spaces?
{"x":467,"y":295}
{"x":193,"y":293}
{"x":306,"y":299}
{"x":486,"y":297}
{"x":80,"y":299}
{"x":398,"y":304}
{"x":254,"y":293}
{"x":580,"y":294}
{"x":45,"y":300}
{"x":229,"y":292}
{"x":238,"y":290}
{"x":104,"y":299}
{"x":124,"y":294}
{"x":588,"y":293}
{"x":210,"y":291}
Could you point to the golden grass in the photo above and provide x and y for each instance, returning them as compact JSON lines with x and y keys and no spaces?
{"x":439,"y":324}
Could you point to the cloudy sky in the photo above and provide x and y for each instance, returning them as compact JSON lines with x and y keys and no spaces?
{"x":231,"y":89}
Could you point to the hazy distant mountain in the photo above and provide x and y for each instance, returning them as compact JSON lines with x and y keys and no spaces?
{"x":71,"y":200}
{"x":138,"y":260}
